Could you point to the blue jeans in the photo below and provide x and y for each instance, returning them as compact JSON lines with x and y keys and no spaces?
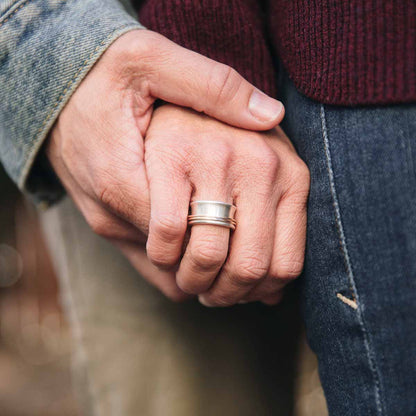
{"x":359,"y":283}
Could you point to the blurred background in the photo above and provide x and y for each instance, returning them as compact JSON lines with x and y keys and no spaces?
{"x":35,"y":341}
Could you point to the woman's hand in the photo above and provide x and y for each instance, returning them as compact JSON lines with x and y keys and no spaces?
{"x":189,"y":156}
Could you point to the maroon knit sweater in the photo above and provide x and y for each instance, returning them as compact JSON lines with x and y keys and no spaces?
{"x":346,"y":52}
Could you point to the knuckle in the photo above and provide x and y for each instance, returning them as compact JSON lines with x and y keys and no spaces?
{"x":218,"y":153}
{"x":207,"y":255}
{"x":250,"y":271}
{"x":265,"y":160}
{"x":270,"y":163}
{"x":162,"y":248}
{"x":288,"y":269}
{"x":299,"y":185}
{"x":167,"y":228}
{"x":301,"y":174}
{"x":104,"y":190}
{"x":161,"y":258}
{"x":223,"y":83}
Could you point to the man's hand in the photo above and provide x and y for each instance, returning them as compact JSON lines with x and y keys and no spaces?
{"x":96,"y":147}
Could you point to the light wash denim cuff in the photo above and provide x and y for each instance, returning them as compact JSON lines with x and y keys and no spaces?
{"x":46,"y":49}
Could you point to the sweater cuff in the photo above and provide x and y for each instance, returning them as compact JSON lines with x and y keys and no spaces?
{"x":46,"y":49}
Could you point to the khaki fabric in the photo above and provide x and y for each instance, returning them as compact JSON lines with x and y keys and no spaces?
{"x":136,"y":353}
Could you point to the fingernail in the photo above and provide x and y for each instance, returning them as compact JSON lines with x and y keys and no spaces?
{"x":204,"y":302}
{"x":263,"y":107}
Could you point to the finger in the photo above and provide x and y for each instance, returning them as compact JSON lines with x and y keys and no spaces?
{"x":163,"y":280}
{"x":119,"y":179}
{"x":207,"y":248}
{"x":289,"y":247}
{"x":249,"y":254}
{"x":101,"y":221}
{"x":108,"y":225}
{"x":112,"y":214}
{"x":186,"y":78}
{"x":291,"y":218}
{"x":170,"y":192}
{"x":126,"y":196}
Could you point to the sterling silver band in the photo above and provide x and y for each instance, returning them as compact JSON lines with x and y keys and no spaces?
{"x":212,"y":213}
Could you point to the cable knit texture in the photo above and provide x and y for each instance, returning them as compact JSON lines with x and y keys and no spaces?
{"x":355,"y":52}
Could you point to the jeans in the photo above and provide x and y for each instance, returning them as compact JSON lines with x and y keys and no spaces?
{"x":358,"y":288}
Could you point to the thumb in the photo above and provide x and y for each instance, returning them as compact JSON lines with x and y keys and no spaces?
{"x":188,"y":79}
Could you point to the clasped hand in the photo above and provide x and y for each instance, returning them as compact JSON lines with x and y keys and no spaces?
{"x":132,"y":171}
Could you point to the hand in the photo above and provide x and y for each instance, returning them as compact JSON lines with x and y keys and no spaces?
{"x":96,"y":146}
{"x":189,"y":156}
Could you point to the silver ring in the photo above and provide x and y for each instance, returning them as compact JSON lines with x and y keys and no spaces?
{"x":212,"y":213}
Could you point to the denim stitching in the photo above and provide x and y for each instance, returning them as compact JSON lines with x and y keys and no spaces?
{"x":347,"y":301}
{"x":25,"y":2}
{"x":370,"y":354}
{"x":409,"y":154}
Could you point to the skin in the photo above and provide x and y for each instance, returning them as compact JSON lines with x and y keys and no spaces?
{"x":132,"y":171}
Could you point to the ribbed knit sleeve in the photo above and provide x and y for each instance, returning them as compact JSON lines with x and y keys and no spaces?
{"x":231,"y":32}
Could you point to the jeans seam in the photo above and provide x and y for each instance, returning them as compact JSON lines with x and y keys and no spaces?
{"x":349,"y":269}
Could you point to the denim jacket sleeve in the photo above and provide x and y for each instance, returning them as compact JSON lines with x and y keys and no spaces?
{"x":46,"y":49}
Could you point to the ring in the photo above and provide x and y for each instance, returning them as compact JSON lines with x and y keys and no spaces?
{"x":212,"y":213}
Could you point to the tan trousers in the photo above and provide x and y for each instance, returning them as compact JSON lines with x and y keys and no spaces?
{"x":137,"y":353}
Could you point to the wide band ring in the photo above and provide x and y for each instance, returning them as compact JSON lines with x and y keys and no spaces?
{"x":212,"y":213}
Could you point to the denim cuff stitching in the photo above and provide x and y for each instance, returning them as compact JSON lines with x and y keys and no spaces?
{"x":64,"y":97}
{"x":9,"y":13}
